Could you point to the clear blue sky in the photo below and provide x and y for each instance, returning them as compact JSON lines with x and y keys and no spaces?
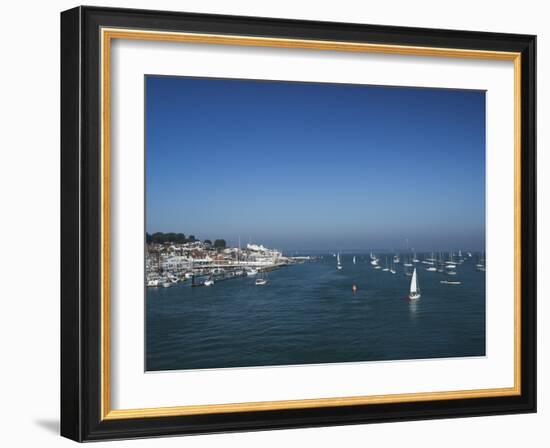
{"x":315,"y":166}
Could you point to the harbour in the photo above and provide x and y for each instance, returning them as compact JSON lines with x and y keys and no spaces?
{"x":309,"y":311}
{"x":336,"y":223}
{"x":204,"y":264}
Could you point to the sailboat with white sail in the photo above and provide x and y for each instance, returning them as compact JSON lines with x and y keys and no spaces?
{"x":338,"y":263}
{"x":414,"y":292}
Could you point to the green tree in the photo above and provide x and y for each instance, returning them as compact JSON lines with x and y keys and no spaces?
{"x":158,"y":237}
{"x":169,"y":237}
{"x":161,"y":238}
{"x":219,"y":244}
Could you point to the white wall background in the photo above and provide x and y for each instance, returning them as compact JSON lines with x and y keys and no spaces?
{"x":29,"y":221}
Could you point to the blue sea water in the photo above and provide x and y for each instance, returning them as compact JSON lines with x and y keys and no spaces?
{"x":307,"y":313}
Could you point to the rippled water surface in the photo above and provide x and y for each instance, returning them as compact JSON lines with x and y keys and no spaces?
{"x":308,"y":313}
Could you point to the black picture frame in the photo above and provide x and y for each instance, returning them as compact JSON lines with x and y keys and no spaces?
{"x":81,"y":224}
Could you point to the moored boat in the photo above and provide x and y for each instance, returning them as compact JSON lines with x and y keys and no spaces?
{"x":450,"y":282}
{"x":374,"y":261}
{"x":261,"y":281}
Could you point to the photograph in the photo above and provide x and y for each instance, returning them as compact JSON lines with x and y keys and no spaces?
{"x":298,"y":223}
{"x":285,"y":219}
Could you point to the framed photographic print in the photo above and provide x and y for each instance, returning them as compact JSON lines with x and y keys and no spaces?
{"x":273,"y":223}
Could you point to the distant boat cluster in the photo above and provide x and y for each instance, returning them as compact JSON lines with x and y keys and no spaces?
{"x":204,"y":264}
{"x":440,"y":262}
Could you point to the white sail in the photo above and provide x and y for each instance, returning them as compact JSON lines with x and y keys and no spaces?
{"x":414,"y":283}
{"x":415,"y":290}
{"x":354,"y":260}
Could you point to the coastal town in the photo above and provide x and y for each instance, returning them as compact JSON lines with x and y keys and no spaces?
{"x":171,"y":260}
